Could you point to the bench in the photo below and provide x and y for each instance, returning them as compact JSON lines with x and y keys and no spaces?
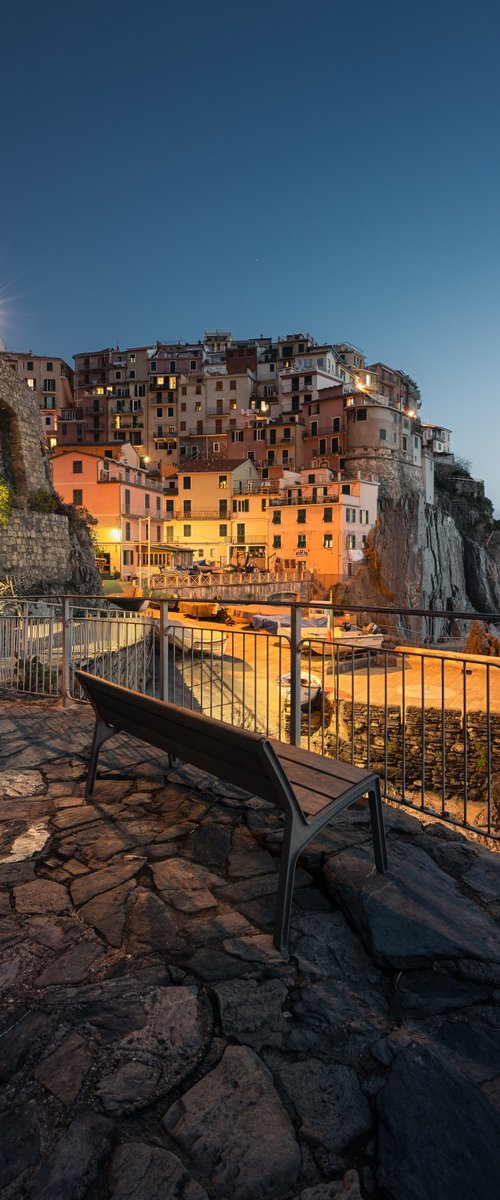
{"x":308,"y":788}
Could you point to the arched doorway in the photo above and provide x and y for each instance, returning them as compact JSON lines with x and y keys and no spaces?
{"x":12,"y":468}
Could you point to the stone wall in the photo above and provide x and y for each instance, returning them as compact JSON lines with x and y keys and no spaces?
{"x":396,"y":475}
{"x":406,"y":749}
{"x":23,"y":462}
{"x":35,"y":551}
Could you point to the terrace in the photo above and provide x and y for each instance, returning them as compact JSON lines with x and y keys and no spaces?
{"x":154,"y":1043}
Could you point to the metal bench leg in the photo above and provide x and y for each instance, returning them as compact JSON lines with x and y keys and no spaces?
{"x":378,"y":830}
{"x":290,"y":851}
{"x":101,"y":734}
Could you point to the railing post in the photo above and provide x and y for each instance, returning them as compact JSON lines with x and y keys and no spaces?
{"x":295,"y":709}
{"x":66,"y":651}
{"x":163,"y":650}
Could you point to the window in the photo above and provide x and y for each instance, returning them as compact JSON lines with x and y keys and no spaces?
{"x":241,"y":506}
{"x":118,"y":374}
{"x":77,"y":466}
{"x":351,"y":541}
{"x":153,"y":366}
{"x":361,"y":414}
{"x":328,"y":514}
{"x":184,"y":391}
{"x":186,"y":508}
{"x":127,"y":531}
{"x":186,"y":483}
{"x":169,"y":533}
{"x":263,"y":505}
{"x":31,"y":383}
{"x":327,"y":541}
{"x":49,"y":385}
{"x":172,"y":365}
{"x":336,"y":425}
{"x":158,"y":533}
{"x":192,"y":365}
{"x":50,"y":366}
{"x":335,"y":445}
{"x":132,"y":374}
{"x":277,"y":541}
{"x":314,"y":428}
{"x":346,"y":489}
{"x":223,"y":481}
{"x":240,"y":534}
{"x":219,"y":385}
{"x":197,"y":407}
{"x":77,"y":497}
{"x":131,"y":358}
{"x":232,"y":385}
{"x":222,"y":530}
{"x":383,"y":435}
{"x":216,"y":447}
{"x":29,"y":366}
{"x":301,"y":516}
{"x":276,"y":517}
{"x":301,"y":541}
{"x":146,"y":501}
{"x":405,"y":443}
{"x":308,"y":381}
{"x":170,"y":508}
{"x":186,"y":531}
{"x":158,"y":503}
{"x":159,"y":412}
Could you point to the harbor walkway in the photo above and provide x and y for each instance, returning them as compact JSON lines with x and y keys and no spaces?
{"x":154,"y":1044}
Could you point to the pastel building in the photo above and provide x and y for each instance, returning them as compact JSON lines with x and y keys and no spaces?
{"x":52,"y":381}
{"x":130,"y":507}
{"x":214,"y":514}
{"x":321,"y":524}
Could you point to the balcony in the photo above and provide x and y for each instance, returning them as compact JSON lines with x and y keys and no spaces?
{"x":202,"y":514}
{"x":72,"y":414}
{"x":301,"y":501}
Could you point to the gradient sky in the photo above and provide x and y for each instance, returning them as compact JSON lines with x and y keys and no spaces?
{"x":264,"y":166}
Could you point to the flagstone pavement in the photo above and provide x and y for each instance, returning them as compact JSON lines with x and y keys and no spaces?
{"x":154,"y":1044}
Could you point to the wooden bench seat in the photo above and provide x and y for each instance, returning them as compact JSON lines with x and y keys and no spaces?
{"x":309,"y":789}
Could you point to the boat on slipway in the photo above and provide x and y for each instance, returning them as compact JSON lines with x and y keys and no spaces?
{"x":191,"y":639}
{"x":310,"y":688}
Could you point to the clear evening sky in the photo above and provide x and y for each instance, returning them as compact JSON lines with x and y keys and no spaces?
{"x":264,"y":166}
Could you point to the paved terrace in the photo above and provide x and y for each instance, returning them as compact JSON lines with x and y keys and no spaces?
{"x":154,"y":1043}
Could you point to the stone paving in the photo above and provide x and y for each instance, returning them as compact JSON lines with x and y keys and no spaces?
{"x":154,"y":1044}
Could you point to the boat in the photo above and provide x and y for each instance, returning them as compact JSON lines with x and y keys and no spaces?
{"x":310,"y":688}
{"x":191,"y":640}
{"x":201,"y":610}
{"x":369,"y":637}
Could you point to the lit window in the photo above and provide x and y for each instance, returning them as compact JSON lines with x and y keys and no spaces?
{"x":327,"y":541}
{"x":31,"y":383}
{"x":223,"y":481}
{"x":172,"y":382}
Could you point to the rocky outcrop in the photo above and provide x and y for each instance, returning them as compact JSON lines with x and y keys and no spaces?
{"x":44,"y":545}
{"x":419,"y":557}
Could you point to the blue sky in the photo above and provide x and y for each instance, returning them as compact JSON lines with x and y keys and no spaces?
{"x":268,"y":167}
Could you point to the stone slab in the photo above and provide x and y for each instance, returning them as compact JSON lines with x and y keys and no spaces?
{"x":85,"y":887}
{"x":64,"y":1071}
{"x":413,"y":914}
{"x":41,"y":896}
{"x":142,"y":1172}
{"x":234,"y":1128}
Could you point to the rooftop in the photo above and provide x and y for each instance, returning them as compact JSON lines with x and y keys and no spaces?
{"x":154,"y":1043}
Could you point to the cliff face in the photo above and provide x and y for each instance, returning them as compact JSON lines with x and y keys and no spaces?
{"x":430,"y":556}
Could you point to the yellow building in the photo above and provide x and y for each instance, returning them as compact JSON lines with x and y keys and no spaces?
{"x":219,"y":512}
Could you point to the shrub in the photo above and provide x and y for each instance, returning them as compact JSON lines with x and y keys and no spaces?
{"x":5,"y":501}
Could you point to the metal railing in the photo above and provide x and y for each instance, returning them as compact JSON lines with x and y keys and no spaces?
{"x":407,"y":702}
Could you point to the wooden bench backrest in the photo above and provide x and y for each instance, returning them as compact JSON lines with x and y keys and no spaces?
{"x":236,"y":755}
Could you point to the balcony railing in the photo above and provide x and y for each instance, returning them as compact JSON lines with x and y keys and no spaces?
{"x":406,"y":703}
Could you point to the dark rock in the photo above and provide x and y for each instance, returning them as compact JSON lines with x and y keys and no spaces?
{"x":329,"y":1102}
{"x":107,"y":912}
{"x":76,"y":1160}
{"x":429,"y":993}
{"x":72,"y":966}
{"x":19,"y":1141}
{"x":252,"y":1012}
{"x":210,"y":844}
{"x":41,"y":896}
{"x":158,"y":1056}
{"x":23,"y":1039}
{"x":348,"y":1188}
{"x":413,"y":914}
{"x":324,"y":943}
{"x":431,"y":1114}
{"x":474,"y":1047}
{"x":212,"y":964}
{"x":64,"y":1071}
{"x":151,"y":928}
{"x":86,"y":887}
{"x":128,"y":1088}
{"x":141,"y":1172}
{"x":181,"y":874}
{"x":235,"y":1129}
